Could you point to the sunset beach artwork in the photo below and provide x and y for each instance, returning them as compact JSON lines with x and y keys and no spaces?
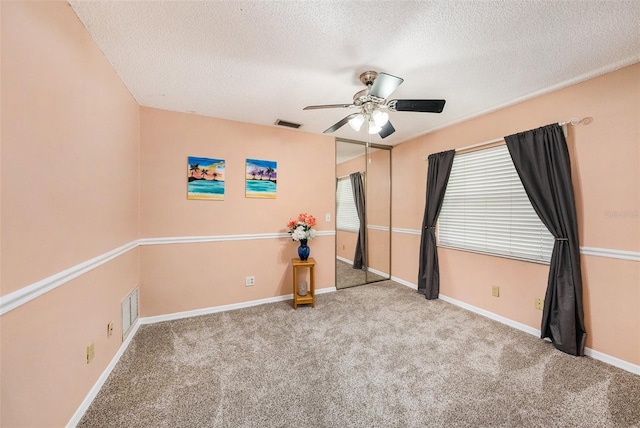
{"x":262,"y":179}
{"x":205,"y":179}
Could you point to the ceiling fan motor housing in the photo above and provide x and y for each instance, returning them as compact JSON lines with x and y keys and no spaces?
{"x":368,"y":77}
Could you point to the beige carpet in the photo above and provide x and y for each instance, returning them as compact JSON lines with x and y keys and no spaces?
{"x":347,"y":276}
{"x":379,"y":355}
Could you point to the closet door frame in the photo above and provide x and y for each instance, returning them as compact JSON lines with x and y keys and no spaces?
{"x":368,"y":149}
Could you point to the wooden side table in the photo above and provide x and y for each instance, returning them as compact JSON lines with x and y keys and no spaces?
{"x":311,"y":294}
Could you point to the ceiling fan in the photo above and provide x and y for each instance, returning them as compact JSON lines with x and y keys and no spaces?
{"x":371,"y":102}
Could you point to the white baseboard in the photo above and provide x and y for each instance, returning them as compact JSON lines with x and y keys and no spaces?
{"x":372,"y":270}
{"x":25,"y":294}
{"x":596,"y":355}
{"x":75,"y":419}
{"x":93,"y":392}
{"x":616,"y":362}
{"x":224,"y":308}
{"x":342,"y":259}
{"x":77,"y":416}
{"x":495,"y":317}
{"x":378,"y":272}
{"x":403,"y":282}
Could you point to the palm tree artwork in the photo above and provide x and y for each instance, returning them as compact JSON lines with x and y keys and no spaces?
{"x":200,"y":184}
{"x":254,"y":172}
{"x":269,"y":171}
{"x":193,"y":169}
{"x":260,"y":178}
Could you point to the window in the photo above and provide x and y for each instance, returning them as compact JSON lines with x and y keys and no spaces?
{"x":486,"y":209}
{"x":346,"y":214}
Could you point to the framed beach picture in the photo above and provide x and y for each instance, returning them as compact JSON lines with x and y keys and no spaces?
{"x":261,"y":178}
{"x":205,"y":179}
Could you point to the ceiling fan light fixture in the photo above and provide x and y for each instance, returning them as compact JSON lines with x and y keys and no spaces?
{"x":374,"y":128}
{"x":356,"y":122}
{"x":380,"y":118}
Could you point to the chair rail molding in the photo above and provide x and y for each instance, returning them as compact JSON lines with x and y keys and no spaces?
{"x":587,"y":251}
{"x":19,"y":297}
{"x":25,"y":294}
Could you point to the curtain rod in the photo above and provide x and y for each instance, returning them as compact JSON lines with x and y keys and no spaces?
{"x":345,"y":176}
{"x":573,"y":121}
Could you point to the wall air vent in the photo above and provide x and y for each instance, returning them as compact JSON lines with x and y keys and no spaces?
{"x":129,"y":312}
{"x":280,"y":122}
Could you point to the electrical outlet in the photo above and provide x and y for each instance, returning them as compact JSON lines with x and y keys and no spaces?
{"x":327,"y":217}
{"x":540,"y":304}
{"x":110,"y":329}
{"x":495,"y":291}
{"x":90,"y":352}
{"x":250,"y":281}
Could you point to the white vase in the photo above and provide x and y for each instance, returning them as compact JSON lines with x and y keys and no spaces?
{"x":302,"y":288}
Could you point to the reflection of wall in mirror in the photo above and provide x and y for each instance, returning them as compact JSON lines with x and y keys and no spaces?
{"x":379,"y":188}
{"x":346,"y":244}
{"x":377,"y":181}
{"x":378,"y":210}
{"x":346,"y":241}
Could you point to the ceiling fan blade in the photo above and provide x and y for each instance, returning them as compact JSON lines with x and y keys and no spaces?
{"x":422,"y":106}
{"x":386,"y":130}
{"x":384,"y":85}
{"x":340,"y":124}
{"x":328,"y":106}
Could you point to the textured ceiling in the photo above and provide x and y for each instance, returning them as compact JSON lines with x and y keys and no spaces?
{"x":259,"y":61}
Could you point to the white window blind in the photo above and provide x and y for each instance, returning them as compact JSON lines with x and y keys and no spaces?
{"x":486,"y":209}
{"x":346,"y":214}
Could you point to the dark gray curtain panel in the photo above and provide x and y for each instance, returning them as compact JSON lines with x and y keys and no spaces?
{"x":437,"y":179}
{"x":542,"y":160}
{"x":360,"y":257}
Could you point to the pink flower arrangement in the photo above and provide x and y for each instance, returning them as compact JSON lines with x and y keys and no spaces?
{"x":302,"y":228}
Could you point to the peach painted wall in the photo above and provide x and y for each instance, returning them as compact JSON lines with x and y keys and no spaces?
{"x":606,"y":175}
{"x":179,"y":277}
{"x":91,"y":155}
{"x":69,"y":190}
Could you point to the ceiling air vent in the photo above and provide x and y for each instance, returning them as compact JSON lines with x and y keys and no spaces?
{"x":280,"y":122}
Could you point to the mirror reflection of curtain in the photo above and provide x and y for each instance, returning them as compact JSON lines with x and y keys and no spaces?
{"x":360,"y":256}
{"x":366,"y":224}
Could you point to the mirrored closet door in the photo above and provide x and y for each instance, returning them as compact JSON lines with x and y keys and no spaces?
{"x":363,"y":213}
